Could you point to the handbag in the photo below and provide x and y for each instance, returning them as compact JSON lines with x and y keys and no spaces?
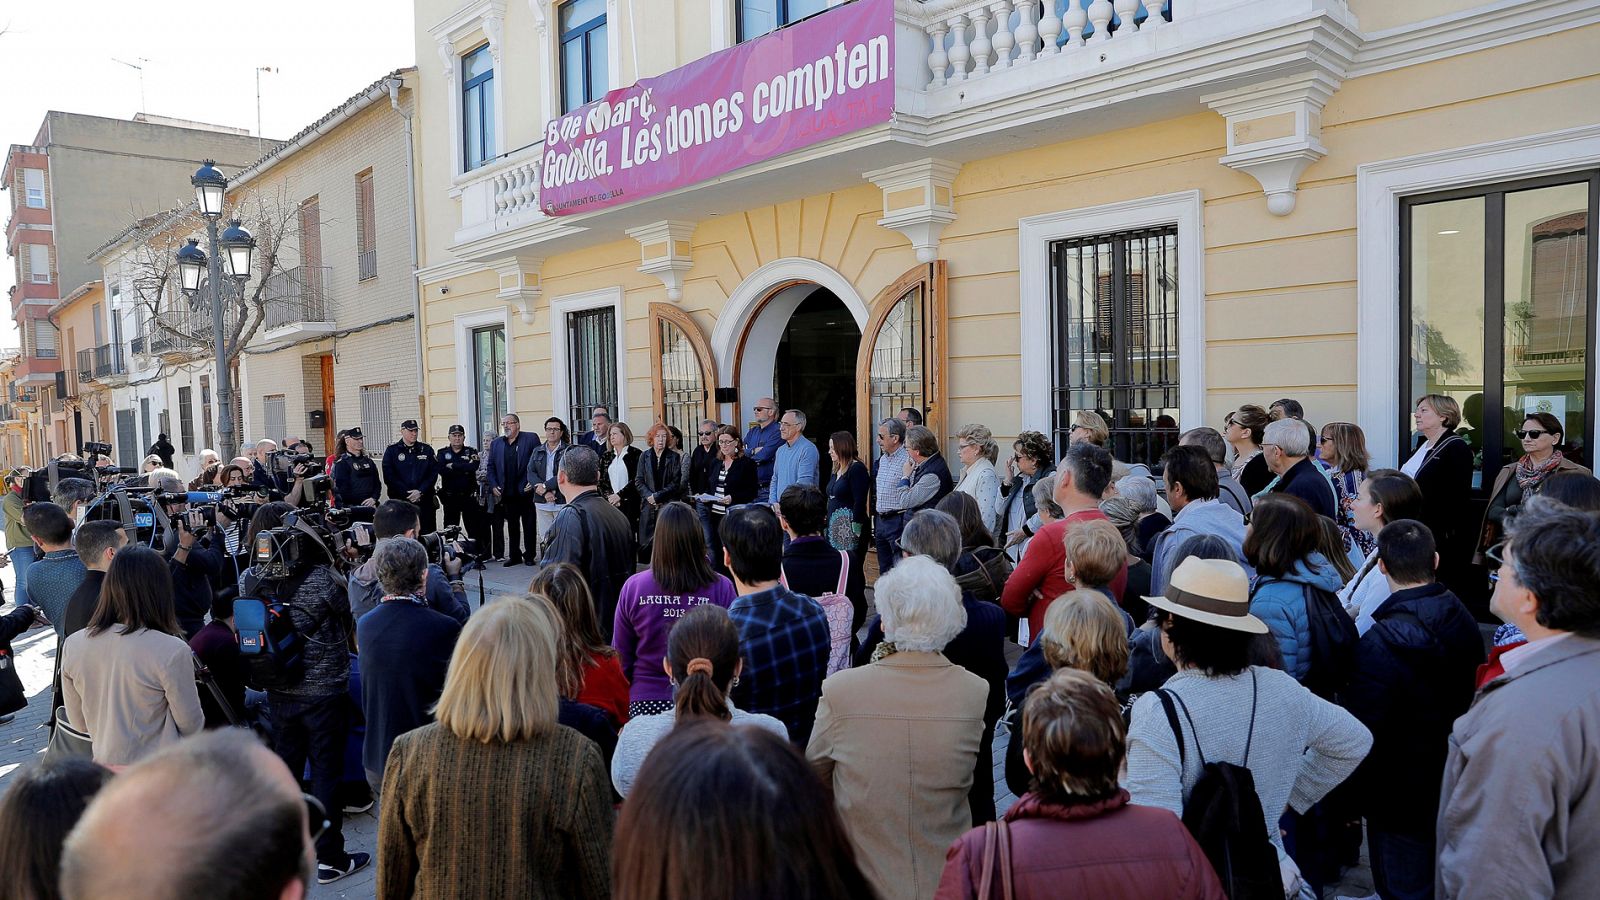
{"x":12,"y":696}
{"x":996,"y":843}
{"x":988,"y":580}
{"x":67,"y":742}
{"x":208,"y":681}
{"x":844,"y":532}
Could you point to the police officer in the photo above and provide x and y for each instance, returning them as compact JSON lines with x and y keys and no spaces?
{"x":410,"y":469}
{"x":355,"y":475}
{"x":458,"y":488}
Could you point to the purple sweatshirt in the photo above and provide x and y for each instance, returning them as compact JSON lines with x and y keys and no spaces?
{"x":645,"y":614}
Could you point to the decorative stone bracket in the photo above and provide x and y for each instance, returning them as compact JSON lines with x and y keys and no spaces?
{"x":918,"y":201}
{"x":519,"y":283}
{"x":1275,"y":130}
{"x":664,"y":252}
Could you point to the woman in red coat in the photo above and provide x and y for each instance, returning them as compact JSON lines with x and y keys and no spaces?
{"x":1075,"y":834}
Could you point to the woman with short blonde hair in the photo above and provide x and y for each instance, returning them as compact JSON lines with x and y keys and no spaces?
{"x":495,"y":762}
{"x":977,"y":450}
{"x":1083,"y":630}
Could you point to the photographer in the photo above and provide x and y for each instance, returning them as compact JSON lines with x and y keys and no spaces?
{"x":445,"y":591}
{"x":187,"y":546}
{"x":411,"y":470}
{"x":310,"y":718}
{"x":262,"y":475}
{"x":355,"y":475}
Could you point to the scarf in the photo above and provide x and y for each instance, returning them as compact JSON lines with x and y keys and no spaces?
{"x":1530,"y":476}
{"x":884,"y":649}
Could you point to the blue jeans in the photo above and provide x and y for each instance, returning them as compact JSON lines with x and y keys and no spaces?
{"x":885,"y":532}
{"x":703,"y":510}
{"x":21,"y":559}
{"x":314,"y":728}
{"x":1402,"y":863}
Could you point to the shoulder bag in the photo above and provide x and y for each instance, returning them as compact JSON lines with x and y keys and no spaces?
{"x":996,"y":843}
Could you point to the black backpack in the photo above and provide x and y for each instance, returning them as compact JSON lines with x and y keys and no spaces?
{"x":271,"y":647}
{"x":1223,"y":813}
{"x":1333,"y":643}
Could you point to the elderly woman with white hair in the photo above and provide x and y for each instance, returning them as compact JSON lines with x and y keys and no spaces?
{"x":1136,"y":511}
{"x":896,"y":740}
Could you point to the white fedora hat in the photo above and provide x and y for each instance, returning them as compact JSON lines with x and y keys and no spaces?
{"x":1212,"y":591}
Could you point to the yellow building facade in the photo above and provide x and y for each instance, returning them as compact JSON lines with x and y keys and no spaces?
{"x":1347,"y":203}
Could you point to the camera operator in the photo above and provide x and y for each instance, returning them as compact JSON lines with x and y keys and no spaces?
{"x":188,"y":547}
{"x":355,"y":475}
{"x":310,"y":718}
{"x":411,"y":470}
{"x":446,"y":593}
{"x":71,"y":494}
{"x":458,"y":488}
{"x":262,"y":474}
{"x":209,"y":478}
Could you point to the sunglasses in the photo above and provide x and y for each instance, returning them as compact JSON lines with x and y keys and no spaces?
{"x":1531,"y":434}
{"x":317,"y":816}
{"x":707,"y":433}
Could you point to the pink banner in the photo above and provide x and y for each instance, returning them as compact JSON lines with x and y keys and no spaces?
{"x":830,"y":75}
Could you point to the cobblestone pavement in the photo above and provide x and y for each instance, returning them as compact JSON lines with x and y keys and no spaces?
{"x":24,"y":739}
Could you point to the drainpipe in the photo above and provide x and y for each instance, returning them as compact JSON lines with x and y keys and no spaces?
{"x":394,"y":86}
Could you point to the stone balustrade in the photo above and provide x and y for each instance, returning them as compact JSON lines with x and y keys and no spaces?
{"x":506,"y":189}
{"x":969,"y":39}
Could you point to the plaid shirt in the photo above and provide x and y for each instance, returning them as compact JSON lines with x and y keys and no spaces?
{"x":783,"y":637}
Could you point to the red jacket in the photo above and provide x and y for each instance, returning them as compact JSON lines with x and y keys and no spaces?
{"x":1108,"y":849}
{"x":1043,"y":568}
{"x":606,"y":688}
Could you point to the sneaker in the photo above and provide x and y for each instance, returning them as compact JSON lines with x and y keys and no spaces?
{"x":356,"y":809}
{"x":354,"y":863}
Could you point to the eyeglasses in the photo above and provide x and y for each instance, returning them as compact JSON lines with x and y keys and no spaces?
{"x":964,"y":445}
{"x":707,"y":433}
{"x":316,"y":816}
{"x":1531,"y":433}
{"x":1325,"y":439}
{"x":767,"y":408}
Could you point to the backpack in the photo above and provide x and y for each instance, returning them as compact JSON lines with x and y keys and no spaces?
{"x":840,"y":613}
{"x":270,"y":646}
{"x":1223,"y":813}
{"x":1333,"y":643}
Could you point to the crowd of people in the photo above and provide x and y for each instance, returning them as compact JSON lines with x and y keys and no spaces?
{"x":1238,"y":662}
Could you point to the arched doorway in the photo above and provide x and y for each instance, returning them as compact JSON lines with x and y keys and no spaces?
{"x":800,"y":348}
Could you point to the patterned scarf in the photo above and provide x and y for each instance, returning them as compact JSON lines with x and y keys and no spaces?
{"x":1530,"y":476}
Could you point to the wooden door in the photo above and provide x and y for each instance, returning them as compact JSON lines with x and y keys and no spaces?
{"x":327,"y":403}
{"x":681,"y":370}
{"x":902,"y":358}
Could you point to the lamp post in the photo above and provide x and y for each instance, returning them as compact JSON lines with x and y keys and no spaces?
{"x":210,"y":186}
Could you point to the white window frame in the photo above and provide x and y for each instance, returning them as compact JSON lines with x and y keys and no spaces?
{"x":461,"y":33}
{"x":560,"y":381}
{"x":1035,"y":234}
{"x":1379,"y":187}
{"x":30,"y":190}
{"x":548,"y":20}
{"x":466,"y":388}
{"x":34,"y":275}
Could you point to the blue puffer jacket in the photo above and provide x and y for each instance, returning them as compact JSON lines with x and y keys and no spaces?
{"x":1281,"y":603}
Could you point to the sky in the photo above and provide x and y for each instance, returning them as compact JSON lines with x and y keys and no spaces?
{"x":65,"y":56}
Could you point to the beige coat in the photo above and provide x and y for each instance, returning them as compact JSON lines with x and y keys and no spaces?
{"x":896,"y":741}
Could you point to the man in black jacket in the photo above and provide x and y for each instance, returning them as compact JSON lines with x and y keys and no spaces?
{"x":411,"y":470}
{"x":1286,"y":445}
{"x":927,"y":475}
{"x":1414,"y":675}
{"x":507,"y":472}
{"x":591,"y":534}
{"x":163,"y":448}
{"x":458,"y":489}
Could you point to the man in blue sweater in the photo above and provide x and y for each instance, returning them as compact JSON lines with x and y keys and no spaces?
{"x":1192,"y":491}
{"x":761,"y":444}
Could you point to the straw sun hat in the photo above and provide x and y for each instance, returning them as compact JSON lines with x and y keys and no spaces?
{"x":1211,"y":591}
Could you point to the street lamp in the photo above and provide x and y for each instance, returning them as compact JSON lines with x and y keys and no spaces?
{"x":210,"y":189}
{"x":240,"y":247}
{"x":191,"y":265}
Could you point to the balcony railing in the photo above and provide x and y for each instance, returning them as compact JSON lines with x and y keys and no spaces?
{"x":108,"y":360}
{"x":367,"y":265}
{"x":86,"y":365}
{"x":139,"y":346}
{"x":970,"y":39}
{"x":296,"y":296}
{"x":8,"y":413}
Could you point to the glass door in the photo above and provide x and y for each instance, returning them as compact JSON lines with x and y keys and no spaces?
{"x":488,"y":379}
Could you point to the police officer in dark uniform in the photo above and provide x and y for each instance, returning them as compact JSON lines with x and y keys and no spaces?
{"x":458,"y":488}
{"x":355,"y":475}
{"x":411,"y":470}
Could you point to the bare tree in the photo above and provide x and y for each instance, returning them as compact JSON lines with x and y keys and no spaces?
{"x":185,"y":321}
